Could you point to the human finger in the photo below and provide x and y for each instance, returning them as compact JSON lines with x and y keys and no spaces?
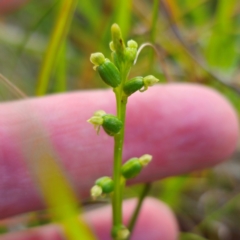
{"x":185,"y":127}
{"x":155,"y":221}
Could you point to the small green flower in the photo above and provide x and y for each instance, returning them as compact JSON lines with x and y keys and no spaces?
{"x":106,"y":69}
{"x":135,"y":165}
{"x":106,"y":183}
{"x":133,"y":85}
{"x":103,"y":185}
{"x":110,"y":123}
{"x":131,"y":168}
{"x":131,"y":51}
{"x":139,"y":83}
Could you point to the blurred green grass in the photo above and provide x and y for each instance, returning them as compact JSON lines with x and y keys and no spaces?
{"x":198,"y":42}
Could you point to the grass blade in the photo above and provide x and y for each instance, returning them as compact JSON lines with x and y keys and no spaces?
{"x":57,"y":38}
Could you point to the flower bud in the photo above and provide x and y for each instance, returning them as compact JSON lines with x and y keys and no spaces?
{"x":133,"y":85}
{"x":106,"y":184}
{"x":106,"y":69}
{"x":109,"y":73}
{"x":120,"y":232}
{"x":131,"y":168}
{"x":111,"y":124}
{"x":131,"y":51}
{"x":134,"y":166}
{"x":117,"y":39}
{"x":132,"y":44}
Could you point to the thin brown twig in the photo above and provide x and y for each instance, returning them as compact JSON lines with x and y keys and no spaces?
{"x":12,"y":87}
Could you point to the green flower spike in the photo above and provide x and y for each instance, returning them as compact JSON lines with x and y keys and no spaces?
{"x":106,"y":69}
{"x":103,"y":185}
{"x":110,"y":123}
{"x":134,"y":166}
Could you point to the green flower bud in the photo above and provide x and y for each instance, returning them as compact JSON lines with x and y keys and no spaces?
{"x":133,"y":85}
{"x":117,"y":39}
{"x":111,"y":124}
{"x":120,"y":232}
{"x":106,"y":69}
{"x":131,"y":51}
{"x":132,"y":44}
{"x":106,"y":184}
{"x":109,"y":73}
{"x":148,"y":82}
{"x":131,"y":168}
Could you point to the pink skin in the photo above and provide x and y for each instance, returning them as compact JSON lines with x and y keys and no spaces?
{"x":185,"y":128}
{"x":155,"y":217}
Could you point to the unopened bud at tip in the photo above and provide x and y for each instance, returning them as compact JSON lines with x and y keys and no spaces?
{"x":132,"y":44}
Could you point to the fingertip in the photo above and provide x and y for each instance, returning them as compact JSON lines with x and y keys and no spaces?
{"x":188,"y":124}
{"x":155,"y":221}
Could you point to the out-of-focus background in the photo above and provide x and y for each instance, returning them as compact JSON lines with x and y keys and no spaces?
{"x":197,"y":41}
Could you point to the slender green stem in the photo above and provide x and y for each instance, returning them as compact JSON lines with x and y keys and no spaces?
{"x":119,"y":181}
{"x":60,"y":84}
{"x":118,"y":147}
{"x":143,"y":194}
